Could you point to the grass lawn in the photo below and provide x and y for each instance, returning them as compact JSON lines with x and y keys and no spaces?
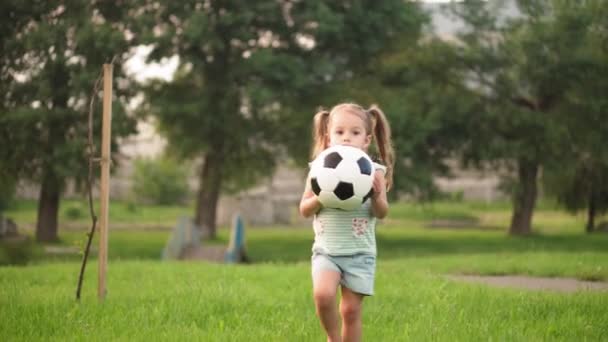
{"x":270,"y":300}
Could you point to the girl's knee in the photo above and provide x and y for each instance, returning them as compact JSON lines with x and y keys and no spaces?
{"x":324,"y":299}
{"x":350,"y":311}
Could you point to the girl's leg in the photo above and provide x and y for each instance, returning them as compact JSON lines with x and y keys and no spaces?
{"x":350,"y":310}
{"x":325,"y":286}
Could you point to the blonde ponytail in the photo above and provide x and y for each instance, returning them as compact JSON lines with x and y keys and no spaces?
{"x":381,"y":134}
{"x":320,"y":125}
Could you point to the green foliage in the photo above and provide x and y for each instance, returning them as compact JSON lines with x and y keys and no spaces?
{"x":250,"y":77}
{"x":52,"y":55}
{"x":44,"y":112}
{"x":413,"y":79}
{"x":503,"y":71}
{"x":131,"y":207}
{"x":18,"y":252}
{"x":581,"y":186}
{"x":514,"y":93}
{"x":74,"y":211}
{"x":7,"y":190}
{"x":160,"y":181}
{"x":578,"y":178}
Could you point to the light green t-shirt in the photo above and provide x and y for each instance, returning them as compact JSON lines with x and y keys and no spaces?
{"x":340,"y":232}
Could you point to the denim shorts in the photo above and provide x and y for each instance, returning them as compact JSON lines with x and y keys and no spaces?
{"x":357,"y":272}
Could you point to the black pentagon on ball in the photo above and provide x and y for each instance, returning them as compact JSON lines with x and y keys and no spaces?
{"x":332,"y":160}
{"x":365,"y":166}
{"x":344,"y":191}
{"x":315,"y":186}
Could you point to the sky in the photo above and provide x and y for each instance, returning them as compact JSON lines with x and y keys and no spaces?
{"x":137,"y":66}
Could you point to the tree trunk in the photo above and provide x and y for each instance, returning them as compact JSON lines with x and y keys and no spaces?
{"x":208,"y":194}
{"x":48,"y":208}
{"x":50,"y":189}
{"x":591,"y":214}
{"x":524,"y":198}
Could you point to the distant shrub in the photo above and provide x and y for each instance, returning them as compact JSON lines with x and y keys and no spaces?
{"x":131,"y":207}
{"x":449,"y":196}
{"x":159,"y":181}
{"x":17,"y":252}
{"x":74,"y":212}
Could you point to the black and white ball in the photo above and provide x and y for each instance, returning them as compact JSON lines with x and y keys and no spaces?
{"x":341,"y":177}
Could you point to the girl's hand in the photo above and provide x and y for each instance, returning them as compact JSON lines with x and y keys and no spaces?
{"x":379,"y":200}
{"x":309,"y":204}
{"x":379,"y":184}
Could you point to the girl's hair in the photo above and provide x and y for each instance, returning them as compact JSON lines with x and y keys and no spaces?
{"x":376,"y":124}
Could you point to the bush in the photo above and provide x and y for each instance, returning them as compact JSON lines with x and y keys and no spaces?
{"x":452,"y":196}
{"x":160,"y":181}
{"x":74,"y":212}
{"x":131,"y":207}
{"x":18,"y":251}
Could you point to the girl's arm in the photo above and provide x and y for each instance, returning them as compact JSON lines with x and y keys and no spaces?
{"x":309,"y":204}
{"x":379,"y":200}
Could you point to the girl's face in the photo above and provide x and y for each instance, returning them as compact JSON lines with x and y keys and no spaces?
{"x":346,"y":128}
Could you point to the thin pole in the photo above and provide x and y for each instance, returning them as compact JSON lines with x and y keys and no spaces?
{"x":104,"y":193}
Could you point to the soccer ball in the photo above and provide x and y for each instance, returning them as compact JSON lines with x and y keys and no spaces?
{"x":341,"y":177}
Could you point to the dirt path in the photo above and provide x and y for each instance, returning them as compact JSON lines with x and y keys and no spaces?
{"x":534,"y":283}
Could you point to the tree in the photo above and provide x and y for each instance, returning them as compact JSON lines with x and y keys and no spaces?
{"x":579,"y":178}
{"x":520,"y":70}
{"x":54,"y":53}
{"x":10,"y":158}
{"x":581,"y":185}
{"x":247,"y":71}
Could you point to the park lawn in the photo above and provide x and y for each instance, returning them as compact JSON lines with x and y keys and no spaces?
{"x":150,"y":300}
{"x":270,"y":299}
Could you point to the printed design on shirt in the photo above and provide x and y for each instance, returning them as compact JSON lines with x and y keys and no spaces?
{"x":318,"y":226}
{"x":359,"y":226}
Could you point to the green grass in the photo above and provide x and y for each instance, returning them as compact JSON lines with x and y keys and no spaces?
{"x":148,"y":300}
{"x":270,"y":300}
{"x":121,"y":214}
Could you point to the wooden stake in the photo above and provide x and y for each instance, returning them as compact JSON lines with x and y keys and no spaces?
{"x":104,"y":194}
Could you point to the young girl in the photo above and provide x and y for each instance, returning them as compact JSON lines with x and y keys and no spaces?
{"x":344,"y":250}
